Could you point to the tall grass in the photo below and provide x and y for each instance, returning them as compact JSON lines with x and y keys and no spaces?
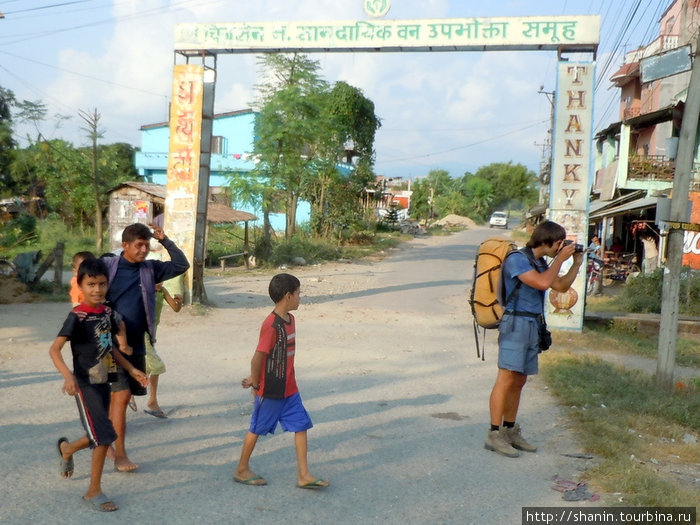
{"x":634,"y":427}
{"x":643,"y":293}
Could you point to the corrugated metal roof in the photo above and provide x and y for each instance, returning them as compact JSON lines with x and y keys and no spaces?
{"x":216,"y":212}
{"x":626,"y":71}
{"x":637,"y":204}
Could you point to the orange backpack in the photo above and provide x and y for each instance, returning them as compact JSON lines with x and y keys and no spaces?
{"x":484,"y":296}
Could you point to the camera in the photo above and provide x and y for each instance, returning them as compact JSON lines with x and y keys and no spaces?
{"x":578,"y":248}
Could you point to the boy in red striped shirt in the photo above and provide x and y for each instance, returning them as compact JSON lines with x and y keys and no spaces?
{"x":277,"y":398}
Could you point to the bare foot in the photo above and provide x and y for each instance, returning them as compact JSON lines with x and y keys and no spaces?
{"x":111,"y":455}
{"x":124,"y":465}
{"x":66,"y":470}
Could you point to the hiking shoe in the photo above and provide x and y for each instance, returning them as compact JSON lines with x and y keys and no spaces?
{"x":512,"y":436}
{"x":496,"y":440}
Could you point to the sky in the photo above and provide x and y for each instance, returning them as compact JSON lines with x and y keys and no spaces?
{"x":455,"y":111}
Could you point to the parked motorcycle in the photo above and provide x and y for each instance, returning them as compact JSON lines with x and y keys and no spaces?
{"x":594,"y":275}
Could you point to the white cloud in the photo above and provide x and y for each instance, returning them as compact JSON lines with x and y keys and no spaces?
{"x":418,"y":95}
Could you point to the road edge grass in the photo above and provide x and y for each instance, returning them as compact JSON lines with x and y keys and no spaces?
{"x":637,"y":432}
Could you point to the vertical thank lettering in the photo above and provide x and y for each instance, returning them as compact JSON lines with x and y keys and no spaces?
{"x":577,"y":71}
{"x":574,"y":124}
{"x":571,"y":173}
{"x":577,"y":100}
{"x":573,"y":148}
{"x":569,"y":196}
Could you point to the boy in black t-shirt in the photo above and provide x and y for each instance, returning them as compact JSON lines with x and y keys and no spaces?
{"x":89,"y":328}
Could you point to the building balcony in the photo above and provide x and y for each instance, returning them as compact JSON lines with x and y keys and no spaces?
{"x":661,"y":44}
{"x":219,"y":162}
{"x":151,"y":161}
{"x":631,"y":112}
{"x":651,"y":168}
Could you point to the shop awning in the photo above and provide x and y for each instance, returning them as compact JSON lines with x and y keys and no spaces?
{"x":620,"y":209}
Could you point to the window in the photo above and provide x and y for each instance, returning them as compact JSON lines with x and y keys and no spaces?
{"x":218,"y":144}
{"x":669,"y":25}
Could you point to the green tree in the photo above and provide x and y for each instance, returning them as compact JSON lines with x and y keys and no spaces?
{"x":439,"y":183}
{"x":350,"y":124}
{"x":287,"y":127}
{"x":420,"y":199}
{"x":7,"y":143}
{"x":92,"y":122}
{"x":452,"y":201}
{"x":301,"y":133}
{"x":479,"y":195}
{"x":511,"y":184}
{"x":64,"y":175}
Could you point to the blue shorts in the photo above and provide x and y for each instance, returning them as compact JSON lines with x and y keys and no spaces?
{"x":288,"y":412}
{"x":518,"y":344}
{"x":93,"y":407}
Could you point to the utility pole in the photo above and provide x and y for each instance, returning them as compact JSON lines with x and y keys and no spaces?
{"x":546,"y":164}
{"x":679,"y":204}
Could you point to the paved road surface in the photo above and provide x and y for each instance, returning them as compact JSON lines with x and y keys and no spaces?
{"x":387,"y":368}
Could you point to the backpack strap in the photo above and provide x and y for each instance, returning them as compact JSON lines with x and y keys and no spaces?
{"x":527,"y":252}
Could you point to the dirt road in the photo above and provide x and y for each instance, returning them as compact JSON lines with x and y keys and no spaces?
{"x":387,"y":369}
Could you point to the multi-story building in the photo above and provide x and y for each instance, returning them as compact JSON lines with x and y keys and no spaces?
{"x":635,"y":156}
{"x":233,"y":134}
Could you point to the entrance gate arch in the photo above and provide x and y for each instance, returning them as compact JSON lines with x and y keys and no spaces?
{"x":575,"y":38}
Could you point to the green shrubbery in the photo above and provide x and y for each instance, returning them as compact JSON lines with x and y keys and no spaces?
{"x":18,"y":231}
{"x":26,"y":233}
{"x":357,"y":240}
{"x":642,"y":294}
{"x":310,"y":249}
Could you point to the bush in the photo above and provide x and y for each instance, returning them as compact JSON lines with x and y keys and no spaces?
{"x":642,"y":294}
{"x":300,"y":246}
{"x":360,"y":237}
{"x":19,"y":230}
{"x":225,"y":240}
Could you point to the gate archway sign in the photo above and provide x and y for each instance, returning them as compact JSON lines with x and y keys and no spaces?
{"x":191,"y":114}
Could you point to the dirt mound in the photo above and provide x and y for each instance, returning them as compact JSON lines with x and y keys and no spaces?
{"x":13,"y":291}
{"x":456,"y":220}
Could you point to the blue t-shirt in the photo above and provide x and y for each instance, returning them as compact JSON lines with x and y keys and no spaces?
{"x":526,"y":299}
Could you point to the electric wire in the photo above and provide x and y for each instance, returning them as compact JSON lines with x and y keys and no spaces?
{"x":465,"y":146}
{"x":32,"y":9}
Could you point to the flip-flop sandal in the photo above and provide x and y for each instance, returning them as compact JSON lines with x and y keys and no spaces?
{"x":255,"y":480}
{"x":99,"y":502}
{"x":318,"y":483}
{"x":65,"y":466}
{"x":132,"y":404}
{"x":156,"y":413}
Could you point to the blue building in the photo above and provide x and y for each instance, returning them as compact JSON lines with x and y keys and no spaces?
{"x":232,"y":143}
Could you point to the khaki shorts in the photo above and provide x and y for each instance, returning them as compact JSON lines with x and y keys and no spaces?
{"x":124,"y":381}
{"x":154,"y":364}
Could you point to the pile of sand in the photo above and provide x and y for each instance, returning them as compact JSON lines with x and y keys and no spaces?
{"x":453,"y":220}
{"x":14,"y":291}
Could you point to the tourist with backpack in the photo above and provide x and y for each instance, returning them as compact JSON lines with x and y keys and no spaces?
{"x":525,"y":278}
